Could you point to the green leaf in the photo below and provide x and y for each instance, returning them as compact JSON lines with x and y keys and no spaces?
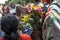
{"x":50,"y":38}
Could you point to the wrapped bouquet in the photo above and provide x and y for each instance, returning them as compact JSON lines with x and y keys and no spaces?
{"x":34,"y":16}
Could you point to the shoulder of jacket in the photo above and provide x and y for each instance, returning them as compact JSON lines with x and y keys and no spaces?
{"x":25,"y":37}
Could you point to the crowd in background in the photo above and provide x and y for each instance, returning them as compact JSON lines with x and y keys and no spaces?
{"x":10,"y":21}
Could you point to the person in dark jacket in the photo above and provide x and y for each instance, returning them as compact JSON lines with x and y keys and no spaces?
{"x":9,"y":24}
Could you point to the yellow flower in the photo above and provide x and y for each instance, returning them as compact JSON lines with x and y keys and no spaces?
{"x":30,"y":15}
{"x":31,"y":4}
{"x":42,"y":12}
{"x":36,"y":7}
{"x":25,"y":18}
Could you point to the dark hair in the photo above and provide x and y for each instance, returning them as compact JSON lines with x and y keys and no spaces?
{"x":37,"y":0}
{"x":9,"y":24}
{"x":12,"y":5}
{"x":18,"y":11}
{"x":49,"y":1}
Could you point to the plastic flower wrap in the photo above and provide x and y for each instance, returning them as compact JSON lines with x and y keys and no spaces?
{"x":26,"y":28}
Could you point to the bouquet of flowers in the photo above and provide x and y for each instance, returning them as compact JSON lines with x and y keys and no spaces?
{"x":34,"y":16}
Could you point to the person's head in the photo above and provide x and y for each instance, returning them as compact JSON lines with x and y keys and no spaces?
{"x":18,"y":11}
{"x":9,"y":24}
{"x":12,"y":5}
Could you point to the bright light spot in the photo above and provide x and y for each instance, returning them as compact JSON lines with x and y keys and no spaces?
{"x":2,"y":1}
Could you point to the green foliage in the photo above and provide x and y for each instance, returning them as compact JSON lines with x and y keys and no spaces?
{"x":35,"y":23}
{"x":22,"y":2}
{"x":50,"y":38}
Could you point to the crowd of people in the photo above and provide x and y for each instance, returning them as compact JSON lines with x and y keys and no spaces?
{"x":13,"y":28}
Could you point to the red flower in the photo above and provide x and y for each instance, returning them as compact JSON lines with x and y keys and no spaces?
{"x":39,"y":10}
{"x":28,"y":8}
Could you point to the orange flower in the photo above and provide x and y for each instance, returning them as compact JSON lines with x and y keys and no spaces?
{"x":39,"y":7}
{"x":36,"y":7}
